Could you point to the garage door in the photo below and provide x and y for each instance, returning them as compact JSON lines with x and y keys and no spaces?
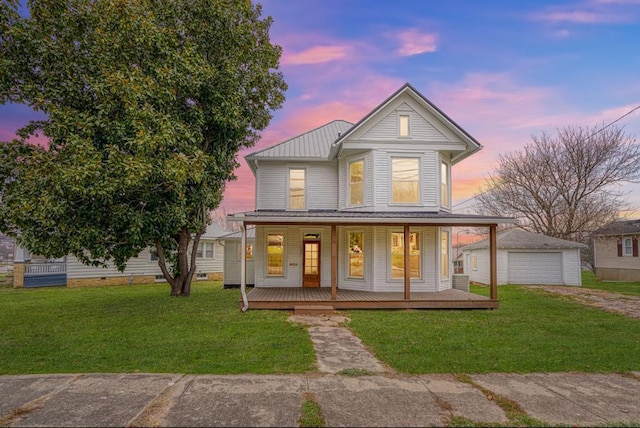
{"x":535,"y":268}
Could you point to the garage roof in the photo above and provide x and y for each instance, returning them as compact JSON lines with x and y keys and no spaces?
{"x":519,"y":239}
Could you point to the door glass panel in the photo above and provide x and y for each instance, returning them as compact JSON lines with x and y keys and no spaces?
{"x":311,"y":259}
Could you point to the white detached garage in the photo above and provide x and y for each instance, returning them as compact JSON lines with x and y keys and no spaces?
{"x":525,"y":258}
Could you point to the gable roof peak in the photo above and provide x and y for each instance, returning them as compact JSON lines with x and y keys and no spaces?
{"x":472,"y":144}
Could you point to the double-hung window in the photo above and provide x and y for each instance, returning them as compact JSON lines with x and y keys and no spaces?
{"x":627,"y":247}
{"x":397,"y":255}
{"x":405,"y":180}
{"x":205,"y":250}
{"x":297,"y":179}
{"x":444,"y":184}
{"x":356,"y":182}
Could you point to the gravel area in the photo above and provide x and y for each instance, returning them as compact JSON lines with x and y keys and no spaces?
{"x":626,"y":304}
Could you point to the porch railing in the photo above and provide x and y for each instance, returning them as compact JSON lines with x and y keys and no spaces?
{"x":45,"y":268}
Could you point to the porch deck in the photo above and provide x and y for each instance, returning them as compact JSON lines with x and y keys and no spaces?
{"x":289,"y":297}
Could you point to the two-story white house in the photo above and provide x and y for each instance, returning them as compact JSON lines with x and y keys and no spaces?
{"x":359,"y":215}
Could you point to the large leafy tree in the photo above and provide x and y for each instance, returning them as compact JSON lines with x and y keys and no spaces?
{"x":147,"y":104}
{"x":564,"y":185}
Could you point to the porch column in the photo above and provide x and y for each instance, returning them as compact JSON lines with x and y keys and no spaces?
{"x":243,"y":266}
{"x":407,"y":267}
{"x":493,"y":263}
{"x":334,"y":262}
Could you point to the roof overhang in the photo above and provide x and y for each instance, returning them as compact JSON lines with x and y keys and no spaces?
{"x":367,"y":218}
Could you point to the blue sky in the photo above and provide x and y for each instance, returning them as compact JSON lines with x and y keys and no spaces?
{"x":503,"y":70}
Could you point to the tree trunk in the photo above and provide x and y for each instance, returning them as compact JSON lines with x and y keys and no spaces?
{"x":180,"y":281}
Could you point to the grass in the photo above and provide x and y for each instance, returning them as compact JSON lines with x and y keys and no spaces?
{"x":530,"y":332}
{"x":311,"y":413}
{"x":589,"y":280}
{"x":142,"y":329}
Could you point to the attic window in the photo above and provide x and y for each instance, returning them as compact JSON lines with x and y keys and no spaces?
{"x":403,"y":125}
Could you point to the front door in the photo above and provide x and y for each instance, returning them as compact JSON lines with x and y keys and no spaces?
{"x":311,"y":264}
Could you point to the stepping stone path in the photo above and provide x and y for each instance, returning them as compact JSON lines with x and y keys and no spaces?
{"x":337,"y":348}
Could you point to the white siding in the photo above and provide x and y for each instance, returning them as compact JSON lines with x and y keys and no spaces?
{"x":232,"y":264}
{"x":568,"y":260}
{"x":430,"y":180}
{"x":322,"y":185}
{"x":420,"y":128}
{"x":292,"y":255}
{"x":572,"y":267}
{"x":376,"y":259}
{"x":140,"y":265}
{"x":271,"y":186}
{"x":215,"y":264}
{"x":137,"y":266}
{"x":431,"y":270}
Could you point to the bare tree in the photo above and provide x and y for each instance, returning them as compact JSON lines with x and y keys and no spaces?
{"x":566,"y":185}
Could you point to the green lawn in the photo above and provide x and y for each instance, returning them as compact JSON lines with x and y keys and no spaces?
{"x":589,"y":280}
{"x":142,"y":329}
{"x":530,"y":332}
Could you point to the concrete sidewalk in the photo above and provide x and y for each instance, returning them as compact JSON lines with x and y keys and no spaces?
{"x":378,"y":400}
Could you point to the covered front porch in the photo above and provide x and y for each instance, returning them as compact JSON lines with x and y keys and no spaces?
{"x":289,"y":297}
{"x":336,"y":295}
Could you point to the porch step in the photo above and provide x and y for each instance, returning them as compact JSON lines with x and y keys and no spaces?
{"x":313,"y":310}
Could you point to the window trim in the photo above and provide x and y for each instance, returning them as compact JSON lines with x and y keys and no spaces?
{"x":474,"y":262}
{"x":305,"y":189}
{"x":416,"y":157}
{"x":351,"y":162}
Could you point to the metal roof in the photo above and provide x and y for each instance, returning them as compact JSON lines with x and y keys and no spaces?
{"x":251,"y":234}
{"x":213,"y":231}
{"x":314,"y":144}
{"x":620,"y":228}
{"x":518,"y":239}
{"x":352,"y":217}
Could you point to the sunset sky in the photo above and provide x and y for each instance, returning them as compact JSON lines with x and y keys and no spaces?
{"x":503,"y":70}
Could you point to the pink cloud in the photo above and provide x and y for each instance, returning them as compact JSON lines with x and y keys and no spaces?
{"x":415,"y":42}
{"x":576,"y":16}
{"x":316,"y":55}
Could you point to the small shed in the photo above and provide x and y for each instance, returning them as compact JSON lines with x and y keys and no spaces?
{"x":232,"y":258}
{"x":525,"y":258}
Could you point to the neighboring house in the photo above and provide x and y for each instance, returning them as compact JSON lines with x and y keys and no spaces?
{"x":34,"y":271}
{"x":362,"y":207}
{"x":233,"y":257}
{"x":615,"y":251}
{"x":526,"y":258}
